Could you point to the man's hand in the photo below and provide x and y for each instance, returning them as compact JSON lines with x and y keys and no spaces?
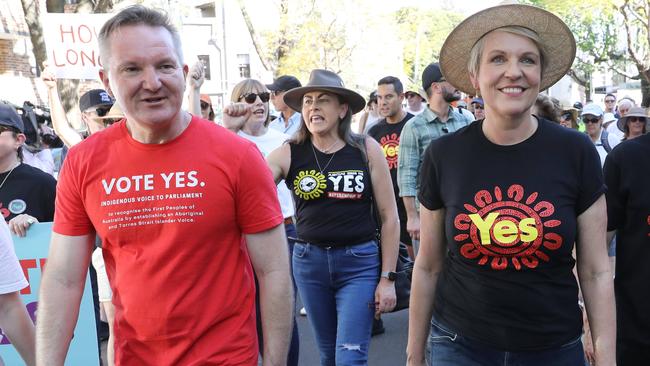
{"x":196,"y":75}
{"x":48,"y":77}
{"x":413,"y":226}
{"x":235,"y":115}
{"x":19,"y":224}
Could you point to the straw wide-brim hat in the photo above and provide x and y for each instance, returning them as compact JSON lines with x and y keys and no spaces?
{"x":327,"y":81}
{"x":633,"y":112}
{"x":556,"y":39}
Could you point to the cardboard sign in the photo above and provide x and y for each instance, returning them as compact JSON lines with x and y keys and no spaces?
{"x":71,"y":42}
{"x":32,"y":253}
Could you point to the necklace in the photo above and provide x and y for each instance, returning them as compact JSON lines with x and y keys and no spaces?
{"x":316,"y":157}
{"x":8,"y":174}
{"x":326,"y":151}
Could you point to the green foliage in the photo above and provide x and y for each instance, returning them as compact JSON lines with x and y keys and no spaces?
{"x":423,"y":32}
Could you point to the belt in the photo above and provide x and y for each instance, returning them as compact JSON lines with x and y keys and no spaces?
{"x":288,"y":220}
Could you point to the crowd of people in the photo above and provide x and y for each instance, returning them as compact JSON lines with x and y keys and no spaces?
{"x":529,"y":221}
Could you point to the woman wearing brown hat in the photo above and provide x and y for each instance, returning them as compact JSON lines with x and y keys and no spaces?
{"x":503,"y":201}
{"x":633,"y":124}
{"x":342,"y":276}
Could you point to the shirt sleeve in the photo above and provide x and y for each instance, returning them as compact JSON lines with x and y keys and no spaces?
{"x":12,"y":278}
{"x":430,"y":196}
{"x":70,"y":217}
{"x":408,"y":160}
{"x":256,"y":196}
{"x":592,"y":184}
{"x":615,"y":196}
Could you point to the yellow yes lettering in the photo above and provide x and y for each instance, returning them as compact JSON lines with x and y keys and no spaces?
{"x":505,"y":231}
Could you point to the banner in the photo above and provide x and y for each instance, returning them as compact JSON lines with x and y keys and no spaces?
{"x":32,"y":253}
{"x":71,"y":42}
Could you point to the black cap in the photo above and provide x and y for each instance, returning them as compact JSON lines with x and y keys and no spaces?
{"x":284,"y":83}
{"x":10,"y":118}
{"x":93,"y":98}
{"x":431,"y":74}
{"x":577,"y":105}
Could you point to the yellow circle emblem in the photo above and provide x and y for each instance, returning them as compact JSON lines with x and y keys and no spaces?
{"x":309,"y":184}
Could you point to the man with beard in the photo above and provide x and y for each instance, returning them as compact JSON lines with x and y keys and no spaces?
{"x":437,"y":120}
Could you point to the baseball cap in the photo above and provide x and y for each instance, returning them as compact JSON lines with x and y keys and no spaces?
{"x":478,"y":101}
{"x":206,"y":98}
{"x":284,"y":83}
{"x":593,"y":109}
{"x":10,"y":118}
{"x":93,"y":98}
{"x":431,"y":74}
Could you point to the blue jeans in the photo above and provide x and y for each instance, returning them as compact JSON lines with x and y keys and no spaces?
{"x":449,"y":348}
{"x":337,"y":287}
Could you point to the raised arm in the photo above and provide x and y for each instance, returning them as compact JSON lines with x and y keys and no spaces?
{"x":195,"y":79}
{"x":596,"y":281}
{"x":61,"y":289}
{"x":62,"y":127}
{"x":276,"y":292}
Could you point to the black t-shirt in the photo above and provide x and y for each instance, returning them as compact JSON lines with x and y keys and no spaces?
{"x":332,"y":207}
{"x":510,"y":225}
{"x":27,"y":190}
{"x":627,"y":174}
{"x":387,"y":134}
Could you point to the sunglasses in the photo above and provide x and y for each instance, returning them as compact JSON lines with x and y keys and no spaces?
{"x":476,"y":106}
{"x":102,"y":111}
{"x":590,"y":120}
{"x":566,"y":116}
{"x":636,"y":119}
{"x":250,"y":98}
{"x":610,"y":100}
{"x":205,"y":105}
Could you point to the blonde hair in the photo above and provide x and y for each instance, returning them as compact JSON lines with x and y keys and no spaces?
{"x":249,"y":86}
{"x":474,"y":62}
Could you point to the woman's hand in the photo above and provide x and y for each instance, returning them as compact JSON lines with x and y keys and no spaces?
{"x":19,"y":224}
{"x":235,"y":115}
{"x":385,"y":298}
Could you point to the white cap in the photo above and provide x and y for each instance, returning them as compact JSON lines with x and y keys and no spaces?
{"x":593,"y":109}
{"x":609,"y":117}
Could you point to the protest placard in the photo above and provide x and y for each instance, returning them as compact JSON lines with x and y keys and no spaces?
{"x":71,"y":42}
{"x":32,"y":252}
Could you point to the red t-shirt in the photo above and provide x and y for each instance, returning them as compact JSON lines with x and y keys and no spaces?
{"x":171,"y":219}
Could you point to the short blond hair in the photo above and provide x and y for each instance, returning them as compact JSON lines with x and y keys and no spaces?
{"x":249,"y":86}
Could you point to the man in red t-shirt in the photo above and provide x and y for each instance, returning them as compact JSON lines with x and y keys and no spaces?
{"x":183,"y":208}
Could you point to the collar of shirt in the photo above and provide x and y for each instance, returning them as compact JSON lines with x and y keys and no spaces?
{"x":432,"y":117}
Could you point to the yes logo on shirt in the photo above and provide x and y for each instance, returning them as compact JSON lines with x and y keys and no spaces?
{"x":309,"y":184}
{"x":509,"y":230}
{"x":390,"y":146}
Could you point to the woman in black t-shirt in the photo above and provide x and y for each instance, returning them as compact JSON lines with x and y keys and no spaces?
{"x":502,"y":202}
{"x":335,"y":176}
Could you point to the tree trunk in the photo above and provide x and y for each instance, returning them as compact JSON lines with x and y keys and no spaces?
{"x":32,"y":18}
{"x":256,"y":42}
{"x":645,"y":90}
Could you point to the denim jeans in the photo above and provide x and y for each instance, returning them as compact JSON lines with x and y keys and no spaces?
{"x":294,"y":345}
{"x":337,"y":287}
{"x":449,"y":348}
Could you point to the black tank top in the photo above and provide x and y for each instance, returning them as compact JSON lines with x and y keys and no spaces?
{"x":333,"y":207}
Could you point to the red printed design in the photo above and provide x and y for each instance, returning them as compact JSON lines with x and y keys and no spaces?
{"x":510,"y":230}
{"x":390,"y":146}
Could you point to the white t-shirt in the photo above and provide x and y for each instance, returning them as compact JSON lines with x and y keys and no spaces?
{"x":268,"y":142}
{"x":615,"y":135}
{"x":601,"y":149}
{"x":43,"y":160}
{"x":415,"y":113}
{"x":11,"y":274}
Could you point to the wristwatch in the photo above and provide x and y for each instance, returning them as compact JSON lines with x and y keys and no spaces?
{"x":391,"y":276}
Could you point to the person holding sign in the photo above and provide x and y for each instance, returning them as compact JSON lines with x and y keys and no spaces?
{"x":14,"y":319}
{"x":172,"y":217}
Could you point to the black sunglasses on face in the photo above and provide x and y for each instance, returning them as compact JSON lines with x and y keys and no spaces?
{"x":102,"y":111}
{"x":590,"y":120}
{"x":636,"y":119}
{"x":250,"y":98}
{"x":610,"y":100}
{"x":566,"y":116}
{"x":476,"y":106}
{"x":205,"y":106}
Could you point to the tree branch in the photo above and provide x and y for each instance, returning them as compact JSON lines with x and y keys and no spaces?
{"x":254,"y":37}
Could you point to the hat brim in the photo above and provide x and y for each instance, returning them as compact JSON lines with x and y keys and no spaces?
{"x":623,"y":121}
{"x":293,"y":97}
{"x":556,"y":39}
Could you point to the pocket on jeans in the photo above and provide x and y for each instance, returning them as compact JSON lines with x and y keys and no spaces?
{"x":440,"y":334}
{"x":300,"y":249}
{"x":366,"y":250}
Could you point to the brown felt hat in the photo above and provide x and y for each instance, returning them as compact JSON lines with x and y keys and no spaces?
{"x":328,"y":81}
{"x":556,"y":39}
{"x":634,"y":112}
